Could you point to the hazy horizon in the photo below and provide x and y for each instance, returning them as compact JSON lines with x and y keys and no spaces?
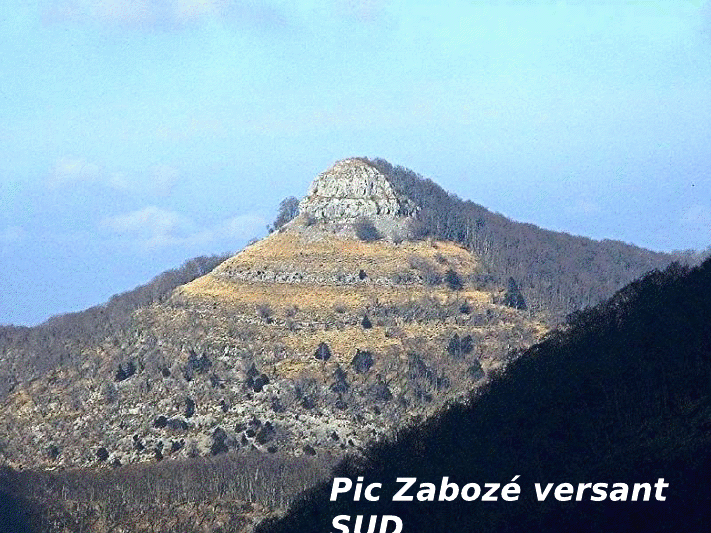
{"x":140,"y":133}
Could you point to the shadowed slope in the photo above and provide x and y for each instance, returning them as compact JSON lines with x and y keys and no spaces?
{"x":622,"y":395}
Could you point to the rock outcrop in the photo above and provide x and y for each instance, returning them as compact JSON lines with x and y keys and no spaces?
{"x":351,"y":189}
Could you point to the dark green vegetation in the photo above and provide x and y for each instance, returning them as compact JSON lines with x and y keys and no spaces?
{"x":30,"y":352}
{"x":15,"y":516}
{"x":366,"y":230}
{"x":622,"y":394}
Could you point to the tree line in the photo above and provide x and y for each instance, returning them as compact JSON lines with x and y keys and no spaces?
{"x":74,"y":499}
{"x":557,"y":273}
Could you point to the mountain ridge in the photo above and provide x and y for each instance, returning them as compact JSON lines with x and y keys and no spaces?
{"x":314,"y":281}
{"x":350,"y":320}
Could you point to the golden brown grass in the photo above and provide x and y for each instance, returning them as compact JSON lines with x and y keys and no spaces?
{"x":323,"y":304}
{"x":330,"y":255}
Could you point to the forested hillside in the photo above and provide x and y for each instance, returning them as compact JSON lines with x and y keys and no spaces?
{"x":227,"y":493}
{"x":558,"y":273}
{"x":621,"y":395}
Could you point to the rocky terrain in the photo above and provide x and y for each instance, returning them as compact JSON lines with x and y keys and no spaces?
{"x":354,"y":188}
{"x":312,"y":341}
{"x":211,"y":397}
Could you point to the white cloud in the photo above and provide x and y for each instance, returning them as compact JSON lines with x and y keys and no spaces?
{"x":154,"y":218}
{"x":154,"y":227}
{"x":705,"y":13}
{"x":582,"y":207}
{"x":189,"y":10}
{"x":240,"y":227}
{"x":121,"y":11}
{"x":193,"y":127}
{"x":362,"y":10}
{"x":119,"y":180}
{"x":163,"y":178}
{"x":71,"y":171}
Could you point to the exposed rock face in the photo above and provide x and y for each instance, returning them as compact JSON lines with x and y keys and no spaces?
{"x":353,"y":188}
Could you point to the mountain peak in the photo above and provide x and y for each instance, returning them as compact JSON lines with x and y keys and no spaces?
{"x":354,"y":188}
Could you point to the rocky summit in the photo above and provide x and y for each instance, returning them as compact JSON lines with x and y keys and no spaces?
{"x":354,"y":188}
{"x":308,"y":342}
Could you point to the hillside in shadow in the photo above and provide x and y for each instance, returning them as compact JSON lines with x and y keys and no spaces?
{"x":16,"y":513}
{"x":12,"y":515}
{"x":620,"y":395}
{"x":227,"y":493}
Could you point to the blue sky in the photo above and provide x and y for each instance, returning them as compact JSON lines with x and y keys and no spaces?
{"x":135,"y":134}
